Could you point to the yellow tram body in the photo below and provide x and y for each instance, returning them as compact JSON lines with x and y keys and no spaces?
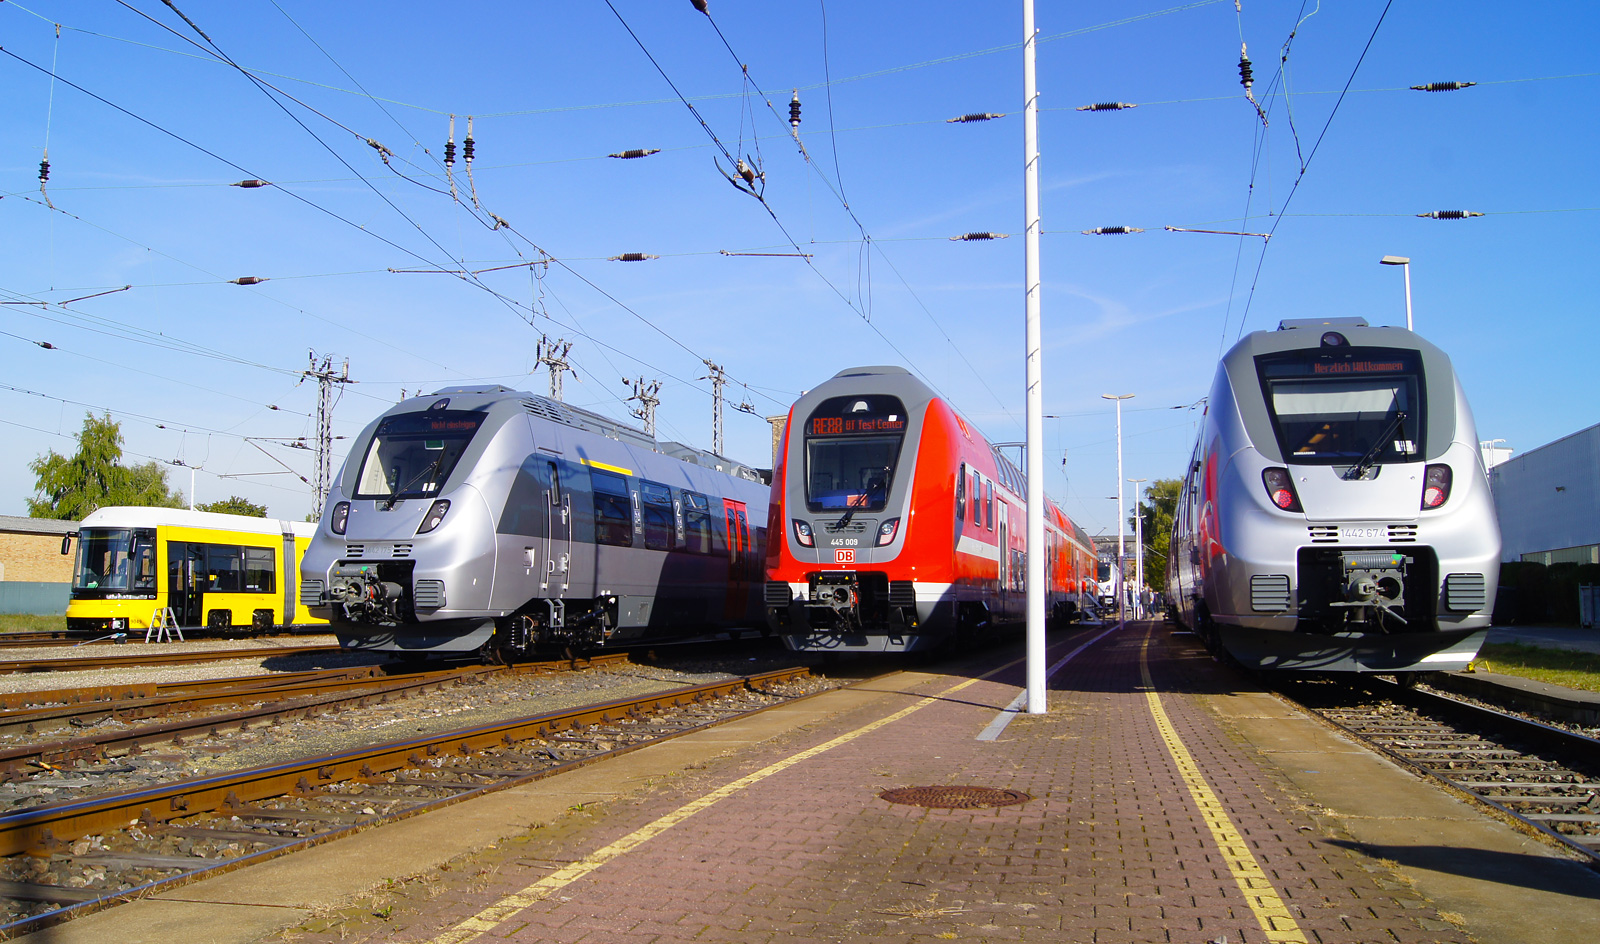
{"x":135,"y":566}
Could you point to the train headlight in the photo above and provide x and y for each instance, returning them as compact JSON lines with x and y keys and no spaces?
{"x":1435,"y":486}
{"x":887,"y":531}
{"x":802,"y":533}
{"x":340,"y":518}
{"x":435,"y":515}
{"x":1280,"y":489}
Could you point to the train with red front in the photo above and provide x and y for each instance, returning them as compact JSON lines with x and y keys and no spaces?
{"x":895,"y":526}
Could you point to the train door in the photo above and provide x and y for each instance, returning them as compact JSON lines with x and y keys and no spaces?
{"x":186,"y":582}
{"x":740,"y":554}
{"x":1003,"y":596}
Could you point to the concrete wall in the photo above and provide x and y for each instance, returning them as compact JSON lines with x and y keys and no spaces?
{"x":34,"y":575}
{"x":1549,"y":499}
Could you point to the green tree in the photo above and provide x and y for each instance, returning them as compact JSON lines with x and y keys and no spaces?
{"x":1160,"y":504}
{"x":70,"y":487}
{"x":234,"y":505}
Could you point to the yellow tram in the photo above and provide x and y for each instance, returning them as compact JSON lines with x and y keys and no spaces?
{"x":138,"y":567}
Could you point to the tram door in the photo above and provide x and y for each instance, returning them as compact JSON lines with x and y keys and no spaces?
{"x":1005,"y":561}
{"x":186,"y":582}
{"x":740,"y":554}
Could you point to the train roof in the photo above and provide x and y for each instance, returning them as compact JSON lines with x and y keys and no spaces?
{"x":557,"y":411}
{"x":126,"y":516}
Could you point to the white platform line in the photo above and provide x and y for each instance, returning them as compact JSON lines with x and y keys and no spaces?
{"x":1010,"y":711}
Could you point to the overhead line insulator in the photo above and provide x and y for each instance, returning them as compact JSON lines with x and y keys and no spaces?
{"x":46,"y":345}
{"x":1112,"y":231}
{"x":1108,"y":106}
{"x":635,"y":153}
{"x":247,"y":280}
{"x":975,"y":116}
{"x":978,"y":237}
{"x":250,"y":184}
{"x":632,"y":257}
{"x":794,"y":112}
{"x":1448,"y":214}
{"x":702,"y":6}
{"x":1443,"y":86}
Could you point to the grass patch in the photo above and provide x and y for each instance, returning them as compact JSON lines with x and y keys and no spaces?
{"x":31,"y":623}
{"x":1580,"y":670}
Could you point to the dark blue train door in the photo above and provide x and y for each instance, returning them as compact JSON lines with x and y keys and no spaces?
{"x":740,"y":557}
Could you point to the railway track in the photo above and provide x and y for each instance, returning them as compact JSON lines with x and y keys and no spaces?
{"x":145,"y":660}
{"x":272,"y":699}
{"x":1543,"y":777}
{"x":71,"y":637}
{"x":69,"y":858}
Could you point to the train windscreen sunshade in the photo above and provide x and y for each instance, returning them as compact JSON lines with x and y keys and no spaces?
{"x":1345,"y":407}
{"x":412,"y":454}
{"x":852,"y":448}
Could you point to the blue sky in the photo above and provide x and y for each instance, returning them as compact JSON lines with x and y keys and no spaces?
{"x":191,"y":364}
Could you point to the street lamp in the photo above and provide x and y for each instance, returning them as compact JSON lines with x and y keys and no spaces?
{"x":1121,"y":528}
{"x":1405,"y":263}
{"x":1138,"y":550}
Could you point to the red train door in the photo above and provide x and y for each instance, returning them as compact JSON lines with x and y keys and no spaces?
{"x":739,"y":555}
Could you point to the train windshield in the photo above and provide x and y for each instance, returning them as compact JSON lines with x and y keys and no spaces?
{"x":1355,"y":405}
{"x":852,"y":447}
{"x":412,"y":454}
{"x":114,"y":561}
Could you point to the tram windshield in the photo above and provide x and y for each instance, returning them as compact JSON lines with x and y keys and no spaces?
{"x":852,"y":447}
{"x":114,"y":560}
{"x":1335,"y":409}
{"x":412,"y":454}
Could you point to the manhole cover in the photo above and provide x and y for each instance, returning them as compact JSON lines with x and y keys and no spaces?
{"x":954,"y":798}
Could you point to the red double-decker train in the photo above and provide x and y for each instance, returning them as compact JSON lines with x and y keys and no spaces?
{"x":895,"y":526}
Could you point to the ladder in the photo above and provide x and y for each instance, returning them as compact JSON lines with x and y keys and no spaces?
{"x":163,"y":626}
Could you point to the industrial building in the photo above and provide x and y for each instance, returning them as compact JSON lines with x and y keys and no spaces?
{"x":1548,"y":501}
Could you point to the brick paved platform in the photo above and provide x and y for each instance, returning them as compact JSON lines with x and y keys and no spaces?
{"x":1183,"y":810}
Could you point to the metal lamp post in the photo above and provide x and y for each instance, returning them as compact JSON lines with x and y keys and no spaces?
{"x":1121,"y":525}
{"x":1403,"y":262}
{"x":1138,"y":550}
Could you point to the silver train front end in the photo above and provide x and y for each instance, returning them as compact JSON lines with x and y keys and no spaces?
{"x":1336,"y":516}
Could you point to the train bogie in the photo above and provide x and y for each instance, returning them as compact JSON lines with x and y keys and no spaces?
{"x":1335,"y":515}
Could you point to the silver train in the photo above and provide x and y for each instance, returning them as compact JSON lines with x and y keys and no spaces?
{"x":484,"y":519}
{"x":1335,"y":515}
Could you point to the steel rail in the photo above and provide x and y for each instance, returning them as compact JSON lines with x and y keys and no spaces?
{"x":175,"y":657}
{"x":33,"y":639}
{"x":330,"y":690}
{"x":1559,"y":747}
{"x":41,"y":830}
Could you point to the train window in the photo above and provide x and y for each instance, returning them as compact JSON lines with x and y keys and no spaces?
{"x":613,"y":510}
{"x":696,"y":523}
{"x":225,"y":567}
{"x":259,"y":571}
{"x":988,"y":505}
{"x":961,"y":492}
{"x":660,"y":526}
{"x":1328,"y":411}
{"x":555,"y":485}
{"x":412,"y":454}
{"x":977,"y":497}
{"x":852,"y":448}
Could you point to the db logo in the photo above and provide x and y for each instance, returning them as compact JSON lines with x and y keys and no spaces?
{"x":843,"y":556}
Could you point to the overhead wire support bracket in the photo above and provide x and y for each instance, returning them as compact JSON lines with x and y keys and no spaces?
{"x":1214,"y":232}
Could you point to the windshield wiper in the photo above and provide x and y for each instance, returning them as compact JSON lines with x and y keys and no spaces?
{"x":388,"y":503}
{"x":882,"y":486}
{"x":1360,"y":468}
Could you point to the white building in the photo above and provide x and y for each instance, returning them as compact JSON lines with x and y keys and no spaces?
{"x":1548,"y":500}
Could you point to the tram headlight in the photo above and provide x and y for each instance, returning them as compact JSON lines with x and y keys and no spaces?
{"x":887,"y":531}
{"x":340,"y":518}
{"x":802,"y":533}
{"x":1280,"y":489}
{"x":435,"y":515}
{"x":1435,"y":486}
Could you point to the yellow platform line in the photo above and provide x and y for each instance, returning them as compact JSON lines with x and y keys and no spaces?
{"x":1270,"y":911}
{"x":497,"y":913}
